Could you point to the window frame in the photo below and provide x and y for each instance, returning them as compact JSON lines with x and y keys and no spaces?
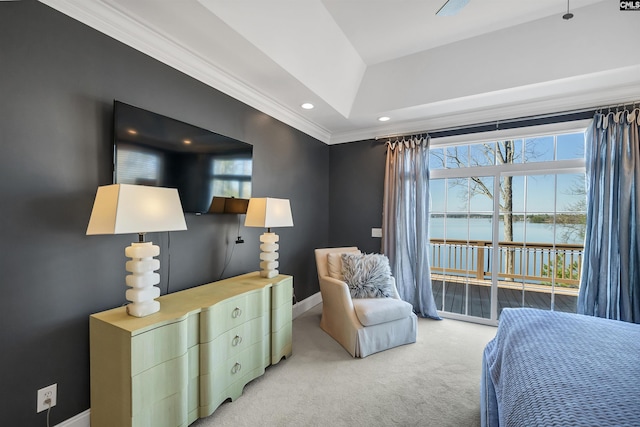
{"x":572,"y":166}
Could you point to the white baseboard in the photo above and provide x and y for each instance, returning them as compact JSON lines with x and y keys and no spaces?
{"x":81,"y":420}
{"x":306,"y":304}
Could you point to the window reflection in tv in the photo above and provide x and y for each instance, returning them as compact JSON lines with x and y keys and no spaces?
{"x":152,"y":149}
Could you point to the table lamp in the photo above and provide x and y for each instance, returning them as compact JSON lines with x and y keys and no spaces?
{"x":126,"y":208}
{"x":267,"y":213}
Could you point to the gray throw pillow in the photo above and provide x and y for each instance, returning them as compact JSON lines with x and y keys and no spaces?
{"x":367,"y":275}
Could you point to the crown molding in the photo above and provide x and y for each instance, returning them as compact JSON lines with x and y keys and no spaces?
{"x":107,"y":19}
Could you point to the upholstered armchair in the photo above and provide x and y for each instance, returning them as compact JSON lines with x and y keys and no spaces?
{"x":363,"y":326}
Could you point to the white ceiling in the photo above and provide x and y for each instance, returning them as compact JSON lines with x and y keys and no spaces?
{"x":357,"y":60}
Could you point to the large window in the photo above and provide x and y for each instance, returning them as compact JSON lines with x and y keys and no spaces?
{"x":507,"y":222}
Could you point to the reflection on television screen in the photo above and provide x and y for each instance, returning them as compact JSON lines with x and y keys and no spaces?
{"x":151,"y":149}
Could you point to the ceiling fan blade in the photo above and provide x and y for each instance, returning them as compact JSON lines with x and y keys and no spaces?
{"x":451,"y":7}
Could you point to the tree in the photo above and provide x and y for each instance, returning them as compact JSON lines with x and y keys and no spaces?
{"x":501,"y":152}
{"x":571,"y":221}
{"x":574,"y":222}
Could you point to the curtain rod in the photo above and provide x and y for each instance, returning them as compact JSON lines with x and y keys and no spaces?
{"x":520,"y":121}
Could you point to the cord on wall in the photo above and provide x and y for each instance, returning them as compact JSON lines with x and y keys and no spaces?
{"x":48,"y":402}
{"x":227,"y":260}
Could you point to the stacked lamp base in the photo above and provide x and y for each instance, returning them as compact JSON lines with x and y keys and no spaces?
{"x":269,"y":255}
{"x":142,"y":292}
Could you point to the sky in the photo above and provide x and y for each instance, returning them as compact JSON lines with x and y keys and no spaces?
{"x":531,"y":194}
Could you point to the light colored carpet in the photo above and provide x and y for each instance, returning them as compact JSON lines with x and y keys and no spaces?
{"x":434,"y":382}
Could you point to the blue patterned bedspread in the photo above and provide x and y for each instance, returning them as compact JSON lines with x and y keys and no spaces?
{"x":560,"y":369}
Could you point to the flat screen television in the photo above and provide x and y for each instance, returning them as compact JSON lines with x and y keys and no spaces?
{"x":152,"y":149}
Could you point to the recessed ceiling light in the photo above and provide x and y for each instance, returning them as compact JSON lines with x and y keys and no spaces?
{"x":307,"y":106}
{"x":384,"y":118}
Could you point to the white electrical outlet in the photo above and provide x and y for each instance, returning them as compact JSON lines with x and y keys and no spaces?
{"x":49,"y":392}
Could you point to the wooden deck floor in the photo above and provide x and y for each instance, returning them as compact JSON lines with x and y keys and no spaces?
{"x":474,"y":299}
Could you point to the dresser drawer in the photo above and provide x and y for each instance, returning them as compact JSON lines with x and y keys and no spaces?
{"x":193,"y":329}
{"x":159,"y":383}
{"x":236,"y":367}
{"x":281,"y":343}
{"x":282,"y":293}
{"x":281,"y":316}
{"x":168,"y":412}
{"x":158,"y":345}
{"x":194,"y":383}
{"x":232,"y":312}
{"x":232,"y":342}
{"x":229,"y":377}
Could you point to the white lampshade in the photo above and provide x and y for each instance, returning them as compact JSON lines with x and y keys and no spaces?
{"x":126,"y":208}
{"x":268,"y":212}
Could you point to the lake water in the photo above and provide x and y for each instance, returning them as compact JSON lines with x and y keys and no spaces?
{"x":480,"y":229}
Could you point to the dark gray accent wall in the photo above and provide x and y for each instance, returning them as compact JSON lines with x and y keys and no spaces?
{"x":58,"y":80}
{"x":356,"y":189}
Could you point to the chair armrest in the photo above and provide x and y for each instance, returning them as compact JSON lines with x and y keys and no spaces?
{"x":336,"y":300}
{"x":336,"y":291}
{"x":395,"y":295}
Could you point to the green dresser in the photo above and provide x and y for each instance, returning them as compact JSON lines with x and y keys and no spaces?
{"x":202,"y":348}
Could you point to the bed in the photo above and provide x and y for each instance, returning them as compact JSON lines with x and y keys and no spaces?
{"x":546,"y":368}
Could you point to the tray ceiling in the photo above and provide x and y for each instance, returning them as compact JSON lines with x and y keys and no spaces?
{"x":357,"y":60}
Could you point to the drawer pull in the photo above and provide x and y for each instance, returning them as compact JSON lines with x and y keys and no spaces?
{"x":237,"y":312}
{"x":237,"y":340}
{"x":236,"y":368}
